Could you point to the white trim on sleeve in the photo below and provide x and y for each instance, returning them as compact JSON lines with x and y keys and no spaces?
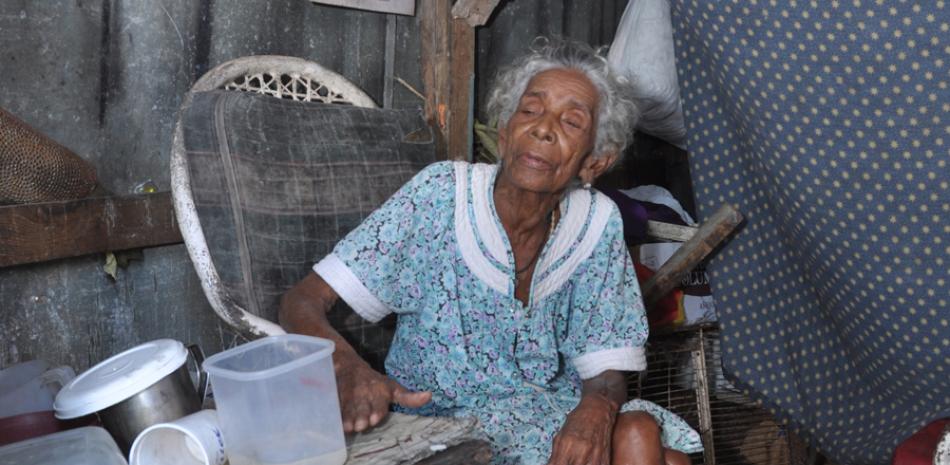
{"x":592,"y":364}
{"x":351,"y":289}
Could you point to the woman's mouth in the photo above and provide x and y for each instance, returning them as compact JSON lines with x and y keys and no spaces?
{"x":534,"y":161}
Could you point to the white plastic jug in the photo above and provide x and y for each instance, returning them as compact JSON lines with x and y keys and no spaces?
{"x":277,"y":402}
{"x":30,"y":387}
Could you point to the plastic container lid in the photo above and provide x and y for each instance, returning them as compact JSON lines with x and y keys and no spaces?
{"x":82,"y":446}
{"x":119,"y":377}
{"x":268,"y":357}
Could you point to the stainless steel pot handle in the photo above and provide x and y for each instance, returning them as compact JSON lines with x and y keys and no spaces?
{"x":201,"y":376}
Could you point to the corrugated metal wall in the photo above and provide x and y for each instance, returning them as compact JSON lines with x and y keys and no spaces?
{"x":105,"y":78}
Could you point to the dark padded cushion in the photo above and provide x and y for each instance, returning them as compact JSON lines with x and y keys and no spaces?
{"x":277,"y":183}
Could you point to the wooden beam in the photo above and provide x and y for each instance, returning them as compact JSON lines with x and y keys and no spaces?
{"x":474,"y":12}
{"x":47,"y":231}
{"x":448,"y":67}
{"x":709,"y":235}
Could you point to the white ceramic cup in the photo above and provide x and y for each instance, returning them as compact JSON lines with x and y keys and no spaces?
{"x":191,"y":440}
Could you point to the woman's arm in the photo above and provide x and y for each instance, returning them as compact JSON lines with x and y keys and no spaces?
{"x":365,"y":394}
{"x":587,"y":431}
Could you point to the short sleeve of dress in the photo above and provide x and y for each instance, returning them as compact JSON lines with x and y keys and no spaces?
{"x":607,"y":326}
{"x":370,"y":267}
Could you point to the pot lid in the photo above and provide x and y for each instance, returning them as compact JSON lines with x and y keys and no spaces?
{"x":119,"y":377}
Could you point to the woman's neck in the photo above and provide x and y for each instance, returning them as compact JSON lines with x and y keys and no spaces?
{"x":523,"y":213}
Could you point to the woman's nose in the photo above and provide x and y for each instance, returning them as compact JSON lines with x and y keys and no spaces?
{"x":543,"y":130}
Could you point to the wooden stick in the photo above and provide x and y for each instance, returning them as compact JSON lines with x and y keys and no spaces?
{"x":669,"y":231}
{"x":691,"y":253}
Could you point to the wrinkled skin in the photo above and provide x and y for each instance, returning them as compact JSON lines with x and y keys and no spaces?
{"x":587,"y":433}
{"x":366,"y":395}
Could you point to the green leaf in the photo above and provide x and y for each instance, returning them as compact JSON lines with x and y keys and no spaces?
{"x":110,"y":265}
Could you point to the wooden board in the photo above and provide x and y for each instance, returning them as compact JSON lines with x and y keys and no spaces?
{"x":47,"y":231}
{"x":408,"y":439}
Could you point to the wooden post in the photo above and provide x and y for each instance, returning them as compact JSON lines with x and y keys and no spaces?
{"x":434,"y":34}
{"x":448,"y":67}
{"x":460,"y":95}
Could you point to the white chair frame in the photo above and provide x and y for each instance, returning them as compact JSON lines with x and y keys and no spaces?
{"x":278,"y":76}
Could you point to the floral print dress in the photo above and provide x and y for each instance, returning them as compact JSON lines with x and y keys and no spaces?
{"x":436,"y":254}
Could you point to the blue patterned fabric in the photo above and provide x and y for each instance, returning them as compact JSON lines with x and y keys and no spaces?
{"x":826,"y":123}
{"x":477,"y":348}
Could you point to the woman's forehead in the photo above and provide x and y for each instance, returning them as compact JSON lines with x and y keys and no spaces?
{"x":564,"y":84}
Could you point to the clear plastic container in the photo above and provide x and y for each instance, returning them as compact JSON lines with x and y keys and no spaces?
{"x":277,"y":402}
{"x":30,"y":387}
{"x":82,"y":446}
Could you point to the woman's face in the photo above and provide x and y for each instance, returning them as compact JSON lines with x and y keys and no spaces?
{"x":548,"y":138}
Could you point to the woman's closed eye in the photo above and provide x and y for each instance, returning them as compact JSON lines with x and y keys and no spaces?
{"x":575,"y":122}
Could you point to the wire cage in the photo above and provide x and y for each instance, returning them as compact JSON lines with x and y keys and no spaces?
{"x":685,"y":375}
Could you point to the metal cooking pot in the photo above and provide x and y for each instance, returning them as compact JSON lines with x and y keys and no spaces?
{"x":138,"y":388}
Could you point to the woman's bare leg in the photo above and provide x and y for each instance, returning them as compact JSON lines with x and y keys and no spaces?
{"x":636,"y":441}
{"x":675,"y":457}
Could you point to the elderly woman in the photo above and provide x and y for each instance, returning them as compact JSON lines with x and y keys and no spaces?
{"x":516,"y":296}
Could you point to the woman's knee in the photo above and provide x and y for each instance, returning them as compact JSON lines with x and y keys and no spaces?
{"x":638,"y":426}
{"x":636,"y":440}
{"x":675,"y":457}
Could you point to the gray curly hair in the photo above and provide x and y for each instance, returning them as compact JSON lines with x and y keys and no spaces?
{"x":616,"y":114}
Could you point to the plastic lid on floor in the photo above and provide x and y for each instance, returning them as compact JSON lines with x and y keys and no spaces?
{"x":82,"y":446}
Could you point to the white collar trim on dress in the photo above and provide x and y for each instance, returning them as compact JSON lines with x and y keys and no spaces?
{"x":465,"y":235}
{"x":477,"y":180}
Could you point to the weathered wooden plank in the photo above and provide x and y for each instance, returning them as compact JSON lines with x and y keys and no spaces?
{"x":467,"y":453}
{"x":47,"y":231}
{"x":691,"y":253}
{"x":474,"y":12}
{"x":406,"y":439}
{"x":460,"y":93}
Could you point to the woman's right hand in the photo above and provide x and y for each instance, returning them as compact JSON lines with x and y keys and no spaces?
{"x":365,"y":395}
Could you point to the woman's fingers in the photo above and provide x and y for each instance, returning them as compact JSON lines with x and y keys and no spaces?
{"x":572,"y":450}
{"x":380,"y":409}
{"x":352,"y":414}
{"x":365,"y":403}
{"x":361,"y":410}
{"x":409,"y":399}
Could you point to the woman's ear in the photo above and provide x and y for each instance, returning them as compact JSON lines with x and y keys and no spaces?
{"x":594,"y":166}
